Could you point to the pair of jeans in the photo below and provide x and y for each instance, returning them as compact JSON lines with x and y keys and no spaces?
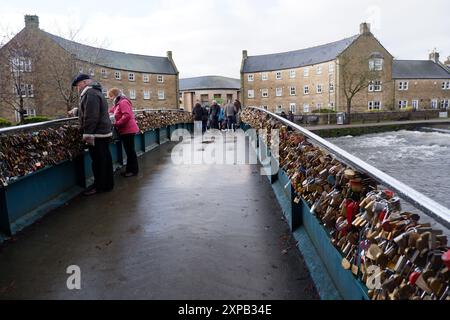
{"x":102,"y":166}
{"x":132,"y":161}
{"x":231,"y":120}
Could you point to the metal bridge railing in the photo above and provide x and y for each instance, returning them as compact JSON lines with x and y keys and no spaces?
{"x":420,"y":201}
{"x":35,"y":125}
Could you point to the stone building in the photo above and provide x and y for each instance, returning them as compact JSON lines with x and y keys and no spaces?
{"x":208,"y":88}
{"x":49,"y":62}
{"x":324,"y":77}
{"x":421,"y":84}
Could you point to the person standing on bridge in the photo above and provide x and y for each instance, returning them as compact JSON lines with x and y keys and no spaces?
{"x":198,"y":117}
{"x":96,"y":128}
{"x":125,"y":123}
{"x":238,"y":106}
{"x":215,"y":110}
{"x":230,"y":113}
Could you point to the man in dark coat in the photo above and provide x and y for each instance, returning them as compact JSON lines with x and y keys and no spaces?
{"x":96,"y":128}
{"x":198,"y":117}
{"x":215,"y":110}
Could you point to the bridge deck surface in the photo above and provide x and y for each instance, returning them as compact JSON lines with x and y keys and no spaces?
{"x":173,"y":232}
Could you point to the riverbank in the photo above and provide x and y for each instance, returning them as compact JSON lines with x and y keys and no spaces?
{"x":329,"y":131}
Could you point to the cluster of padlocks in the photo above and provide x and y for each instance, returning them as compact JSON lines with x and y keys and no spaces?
{"x":149,"y":120}
{"x":388,"y":249}
{"x":26,"y":151}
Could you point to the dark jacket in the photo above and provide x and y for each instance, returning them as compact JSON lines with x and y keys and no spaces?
{"x":215,"y":110}
{"x":197,"y":112}
{"x":205,"y":114}
{"x":93,"y":113}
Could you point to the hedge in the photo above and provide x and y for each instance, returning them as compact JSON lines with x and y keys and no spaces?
{"x":4,"y":123}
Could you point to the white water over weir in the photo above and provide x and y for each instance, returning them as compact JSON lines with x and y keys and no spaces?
{"x":420,"y":159}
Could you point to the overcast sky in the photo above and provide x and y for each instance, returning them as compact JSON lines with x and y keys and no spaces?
{"x":207,"y":36}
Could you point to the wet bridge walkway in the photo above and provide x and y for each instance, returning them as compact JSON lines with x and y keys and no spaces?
{"x":173,"y":232}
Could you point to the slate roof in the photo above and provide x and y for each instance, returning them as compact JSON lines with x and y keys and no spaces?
{"x":116,"y":59}
{"x":209,"y":83}
{"x":299,"y":58}
{"x":418,"y":69}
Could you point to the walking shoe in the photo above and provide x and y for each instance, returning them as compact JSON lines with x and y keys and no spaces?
{"x":90,"y":192}
{"x":129,"y":174}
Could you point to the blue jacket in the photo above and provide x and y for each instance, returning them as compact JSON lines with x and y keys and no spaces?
{"x":221,"y":114}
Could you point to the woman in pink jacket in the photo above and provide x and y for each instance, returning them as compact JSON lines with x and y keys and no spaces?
{"x":127,"y":128}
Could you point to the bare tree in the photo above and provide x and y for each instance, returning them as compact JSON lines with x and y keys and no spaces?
{"x":355,"y":76}
{"x":18,"y":56}
{"x":65,"y":65}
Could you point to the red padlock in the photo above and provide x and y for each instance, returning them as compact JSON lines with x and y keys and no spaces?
{"x":446,"y":259}
{"x":414,"y":277}
{"x":389,"y":194}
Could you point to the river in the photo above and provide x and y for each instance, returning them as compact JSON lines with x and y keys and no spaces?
{"x":419,"y":159}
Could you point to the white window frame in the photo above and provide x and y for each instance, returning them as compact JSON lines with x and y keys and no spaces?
{"x":374,"y":105}
{"x":292,"y":74}
{"x":319,"y":70}
{"x":403,"y":85}
{"x":318,"y":106}
{"x":293,"y":107}
{"x":132,"y":93}
{"x":402,"y":104}
{"x":445,"y":104}
{"x":251,"y":94}
{"x":117,"y":75}
{"x":91,"y":72}
{"x":278,"y":75}
{"x":415,"y":104}
{"x":264,"y":107}
{"x":331,"y":87}
{"x":319,"y":89}
{"x":306,"y":72}
{"x":331,"y":67}
{"x":375,"y":86}
{"x":376,"y":64}
{"x":279,"y":108}
{"x":305,"y":108}
{"x":131,"y":76}
{"x":264,"y":93}
{"x":146,"y":78}
{"x":279,"y":92}
{"x":160,"y":79}
{"x":292,"y":91}
{"x":446,"y":85}
{"x":305,"y":89}
{"x":251,"y":77}
{"x":29,"y":88}
{"x":147,"y":94}
{"x":434,"y":104}
{"x":161,"y":95}
{"x":103,"y":73}
{"x":264,"y":76}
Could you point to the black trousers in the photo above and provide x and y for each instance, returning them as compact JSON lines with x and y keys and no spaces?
{"x":102,"y":166}
{"x":132,"y":161}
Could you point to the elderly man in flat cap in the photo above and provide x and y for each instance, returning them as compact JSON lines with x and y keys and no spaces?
{"x":97,"y":131}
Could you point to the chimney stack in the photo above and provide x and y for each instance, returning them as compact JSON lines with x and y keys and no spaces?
{"x":434,"y":56}
{"x":31,"y":21}
{"x":244,"y":54}
{"x":169,"y":55}
{"x":364,"y":28}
